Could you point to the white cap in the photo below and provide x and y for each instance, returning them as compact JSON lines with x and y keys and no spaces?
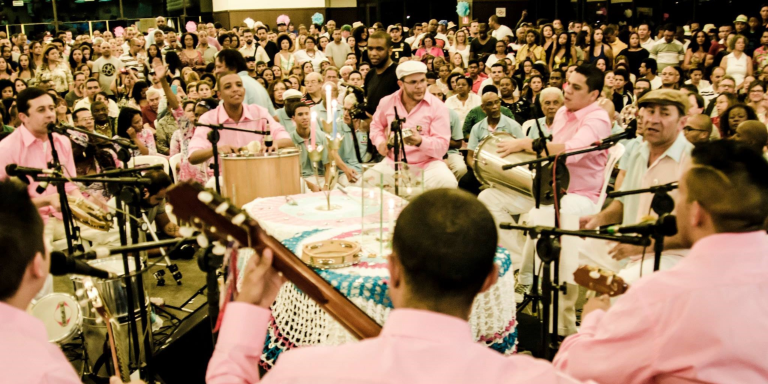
{"x":409,"y":68}
{"x":291,"y":93}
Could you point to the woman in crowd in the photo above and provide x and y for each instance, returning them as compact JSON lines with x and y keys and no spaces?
{"x":756,"y":99}
{"x":76,"y":59}
{"x":361,"y":44}
{"x":547,"y":41}
{"x":84,"y":68}
{"x":463,"y":99}
{"x":563,"y":54}
{"x":19,"y":85}
{"x":130,"y":126}
{"x":696,"y":54}
{"x":154,"y":56}
{"x":189,"y":55}
{"x":204,"y":89}
{"x":268,"y":76}
{"x":277,"y":72}
{"x":723,"y":101}
{"x":461,"y":47}
{"x":37,"y":53}
{"x":63,"y":114}
{"x":138,"y":95}
{"x":501,"y":54}
{"x":352,"y":43}
{"x":26,"y":70}
{"x":737,"y":64}
{"x":601,"y":64}
{"x":181,"y":138}
{"x":599,"y":50}
{"x":192,"y":91}
{"x":173,"y":64}
{"x":285,"y":59}
{"x":235,"y":44}
{"x":429,"y":47}
{"x":634,"y":53}
{"x":276,"y":90}
{"x":310,"y":54}
{"x":733,"y":116}
{"x":531,"y":50}
{"x":123,"y":85}
{"x":532,"y":90}
{"x":6,"y":72}
{"x":55,"y":70}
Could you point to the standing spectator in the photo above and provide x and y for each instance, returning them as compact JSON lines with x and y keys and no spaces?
{"x":285,"y":59}
{"x":612,"y":38}
{"x":269,"y":47}
{"x":337,"y":51}
{"x":484,"y":44}
{"x":737,"y":64}
{"x":310,"y":54}
{"x":531,"y":50}
{"x":400,"y":49}
{"x":599,"y":50}
{"x":189,"y":55}
{"x":644,"y":32}
{"x":209,"y":52}
{"x":668,"y":52}
{"x":461,"y":47}
{"x":55,"y":70}
{"x":649,"y":69}
{"x":759,"y":60}
{"x":131,"y":59}
{"x":499,"y":31}
{"x":696,"y":54}
{"x":106,"y":68}
{"x":563,"y":54}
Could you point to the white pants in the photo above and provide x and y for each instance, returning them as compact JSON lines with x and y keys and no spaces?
{"x":436,"y":174}
{"x":457,"y":165}
{"x":504,"y":203}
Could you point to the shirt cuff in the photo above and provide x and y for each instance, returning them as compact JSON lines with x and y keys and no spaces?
{"x":244,"y":324}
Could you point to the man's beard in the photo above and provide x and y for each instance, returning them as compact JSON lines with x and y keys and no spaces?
{"x":249,"y":41}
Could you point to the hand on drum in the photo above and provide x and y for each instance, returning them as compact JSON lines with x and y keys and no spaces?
{"x":226,"y":149}
{"x":414,"y":139}
{"x":261,"y":281}
{"x":603,"y":302}
{"x":508,"y":147}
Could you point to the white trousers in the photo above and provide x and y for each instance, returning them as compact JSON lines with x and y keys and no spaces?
{"x":436,"y":174}
{"x":457,"y":165}
{"x":504,"y":203}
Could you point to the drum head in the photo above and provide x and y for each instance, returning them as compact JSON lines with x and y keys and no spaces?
{"x":113,"y":264}
{"x":60,"y":314}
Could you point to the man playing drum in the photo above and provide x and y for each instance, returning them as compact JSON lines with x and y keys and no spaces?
{"x":233,"y":113}
{"x":579,"y":124}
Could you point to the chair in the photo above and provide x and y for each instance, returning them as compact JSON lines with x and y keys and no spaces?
{"x":149,"y":160}
{"x":174,"y":162}
{"x":614,"y":154}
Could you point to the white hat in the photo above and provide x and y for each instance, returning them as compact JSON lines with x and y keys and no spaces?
{"x":291,"y":93}
{"x":409,"y":68}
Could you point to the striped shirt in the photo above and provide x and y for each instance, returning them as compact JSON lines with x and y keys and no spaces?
{"x":667,"y":54}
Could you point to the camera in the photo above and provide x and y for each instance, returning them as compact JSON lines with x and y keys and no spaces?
{"x":358,"y":111}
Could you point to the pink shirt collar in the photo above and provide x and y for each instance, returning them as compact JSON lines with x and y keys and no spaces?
{"x":223,"y":118}
{"x":427,"y":325}
{"x":27,"y":138}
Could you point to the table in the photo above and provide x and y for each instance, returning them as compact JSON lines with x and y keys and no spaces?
{"x":299,"y":321}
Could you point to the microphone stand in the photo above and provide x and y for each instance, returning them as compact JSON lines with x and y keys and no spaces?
{"x":66,"y":215}
{"x":399,"y":145}
{"x":213,"y":138}
{"x":122,"y":154}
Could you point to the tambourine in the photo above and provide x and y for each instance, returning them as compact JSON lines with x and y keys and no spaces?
{"x":328,"y":254}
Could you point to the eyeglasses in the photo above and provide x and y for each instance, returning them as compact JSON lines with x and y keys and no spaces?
{"x":688,"y":128}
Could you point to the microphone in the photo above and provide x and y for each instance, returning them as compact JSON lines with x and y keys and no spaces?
{"x":63,"y":265}
{"x":16,"y":170}
{"x":629,"y":133}
{"x":53,"y":128}
{"x":666,"y":225}
{"x":94,"y":253}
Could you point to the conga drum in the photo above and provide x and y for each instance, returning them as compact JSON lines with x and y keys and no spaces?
{"x":248,"y":177}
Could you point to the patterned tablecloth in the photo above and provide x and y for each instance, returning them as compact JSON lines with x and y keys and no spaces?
{"x":299,"y":321}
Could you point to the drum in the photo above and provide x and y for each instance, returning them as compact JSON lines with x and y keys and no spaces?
{"x":114,"y":292}
{"x":248,"y":177}
{"x":331,"y":254}
{"x":520,"y":179}
{"x":61,"y":315}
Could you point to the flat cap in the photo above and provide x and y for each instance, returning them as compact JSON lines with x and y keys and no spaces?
{"x":665,"y":97}
{"x":409,"y":68}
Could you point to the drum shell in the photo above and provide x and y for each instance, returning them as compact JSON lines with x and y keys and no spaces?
{"x":44,"y":310}
{"x":248,"y":178}
{"x":114,"y":292}
{"x":95,"y":336}
{"x":488,"y":165}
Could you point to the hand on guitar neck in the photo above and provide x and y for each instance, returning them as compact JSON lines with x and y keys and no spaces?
{"x":261,"y":281}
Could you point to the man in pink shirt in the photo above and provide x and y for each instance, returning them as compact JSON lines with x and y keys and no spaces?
{"x":28,"y":146}
{"x":671,"y":326}
{"x":426,"y":117}
{"x":26,"y":355}
{"x":426,"y":339}
{"x":233,"y":113}
{"x":580,"y":123}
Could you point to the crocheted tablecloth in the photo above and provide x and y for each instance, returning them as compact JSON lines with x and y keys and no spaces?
{"x":299,"y":321}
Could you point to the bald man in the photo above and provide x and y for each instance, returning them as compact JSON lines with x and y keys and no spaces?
{"x":698,"y":129}
{"x":752,"y":133}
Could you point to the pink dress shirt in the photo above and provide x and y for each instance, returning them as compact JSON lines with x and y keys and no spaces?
{"x":24,"y":149}
{"x":415,"y":346}
{"x":703,"y":321}
{"x":431,"y":115}
{"x":578,"y":130}
{"x":254,"y":118}
{"x":26,"y":355}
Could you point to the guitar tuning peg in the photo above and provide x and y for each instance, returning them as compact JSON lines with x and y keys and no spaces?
{"x":187,"y":231}
{"x":205,"y":197}
{"x":222,"y":208}
{"x":202,"y":240}
{"x":239,"y":218}
{"x":218,"y":248}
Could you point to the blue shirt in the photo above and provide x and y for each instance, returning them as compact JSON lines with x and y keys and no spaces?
{"x":255,"y":93}
{"x":347,"y":148}
{"x":306,"y":164}
{"x":285,"y":121}
{"x":457,"y":131}
{"x":480,"y":130}
{"x":533,"y":130}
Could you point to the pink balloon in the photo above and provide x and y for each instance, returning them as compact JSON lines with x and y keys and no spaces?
{"x":191,"y":26}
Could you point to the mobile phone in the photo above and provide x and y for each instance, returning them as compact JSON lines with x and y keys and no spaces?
{"x":174,"y":89}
